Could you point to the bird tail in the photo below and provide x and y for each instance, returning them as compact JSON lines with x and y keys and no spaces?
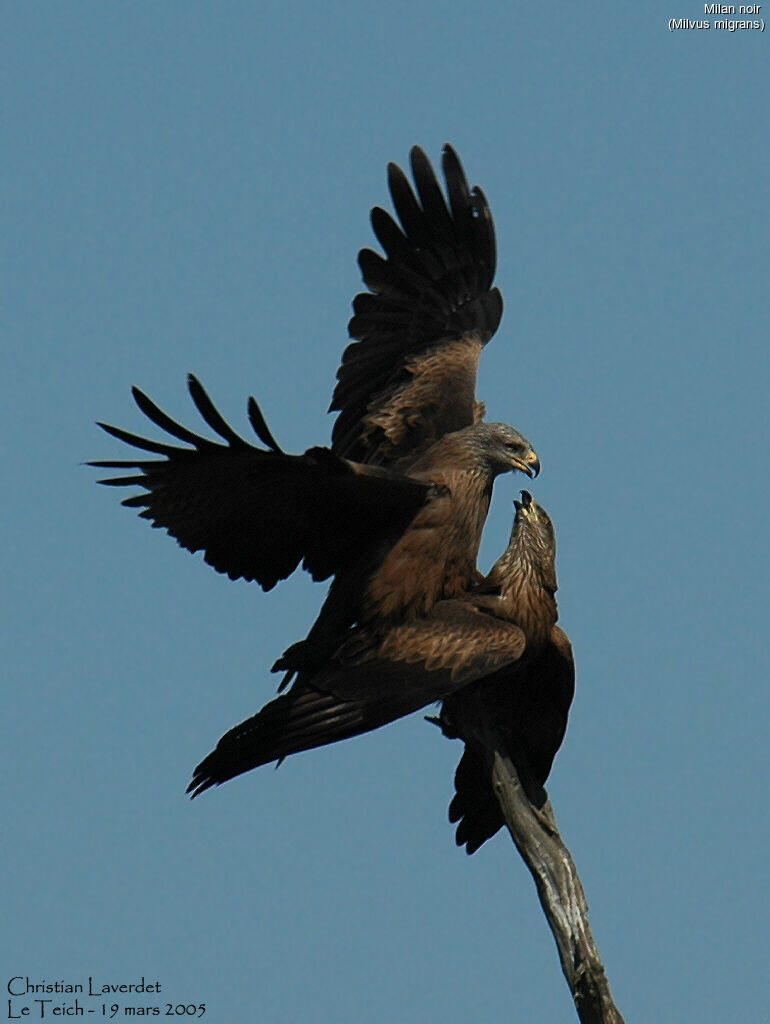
{"x":474,"y":806}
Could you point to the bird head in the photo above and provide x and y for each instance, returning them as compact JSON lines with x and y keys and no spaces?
{"x":532,"y":547}
{"x":506,"y":449}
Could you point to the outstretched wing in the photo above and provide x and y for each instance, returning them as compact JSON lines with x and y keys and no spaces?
{"x":410,"y":376}
{"x":531,"y":708}
{"x":367,"y":686}
{"x":257,"y":512}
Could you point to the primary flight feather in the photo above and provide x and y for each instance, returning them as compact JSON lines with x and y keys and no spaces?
{"x":394,"y":509}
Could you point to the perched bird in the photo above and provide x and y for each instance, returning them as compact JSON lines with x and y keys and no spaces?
{"x":529,"y":702}
{"x":500,"y":639}
{"x":394,"y":509}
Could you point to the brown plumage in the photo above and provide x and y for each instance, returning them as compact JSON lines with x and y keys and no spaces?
{"x":410,"y":375}
{"x":476,"y":640}
{"x":395,"y":509}
{"x":530,"y":702}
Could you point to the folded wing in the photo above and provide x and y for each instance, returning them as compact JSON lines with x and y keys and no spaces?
{"x":369,"y":683}
{"x":530,"y":708}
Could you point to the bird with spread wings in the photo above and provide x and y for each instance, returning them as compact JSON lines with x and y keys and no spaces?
{"x":393,"y":510}
{"x":500,"y":639}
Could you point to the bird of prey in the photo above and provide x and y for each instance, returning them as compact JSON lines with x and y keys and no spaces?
{"x":529,"y":703}
{"x":500,"y":638}
{"x":394,"y":509}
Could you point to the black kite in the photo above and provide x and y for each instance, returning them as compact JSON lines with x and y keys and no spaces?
{"x":530,"y":703}
{"x":395,"y":508}
{"x":500,"y":638}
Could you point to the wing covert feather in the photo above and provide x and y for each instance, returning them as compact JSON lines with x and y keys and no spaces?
{"x":424,"y":660}
{"x":531,"y":708}
{"x":368,"y":686}
{"x":257,"y":513}
{"x":410,"y":374}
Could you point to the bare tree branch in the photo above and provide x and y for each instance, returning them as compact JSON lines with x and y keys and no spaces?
{"x":558,"y":885}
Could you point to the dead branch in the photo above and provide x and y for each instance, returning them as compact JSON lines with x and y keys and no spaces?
{"x":558,"y":885}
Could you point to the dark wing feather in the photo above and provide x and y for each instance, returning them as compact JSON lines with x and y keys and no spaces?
{"x":257,"y":513}
{"x":474,"y":806}
{"x":530,"y":707}
{"x":410,"y":375}
{"x":368,"y":685}
{"x":287,"y":725}
{"x":455,"y":644}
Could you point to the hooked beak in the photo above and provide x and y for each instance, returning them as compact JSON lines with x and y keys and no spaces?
{"x":530,"y":464}
{"x":526,"y":501}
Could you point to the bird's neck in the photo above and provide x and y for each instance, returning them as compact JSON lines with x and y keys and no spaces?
{"x":526,"y":598}
{"x":452,"y":452}
{"x":470,"y":491}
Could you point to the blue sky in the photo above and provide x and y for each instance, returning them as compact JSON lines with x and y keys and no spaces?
{"x":187,"y":187}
